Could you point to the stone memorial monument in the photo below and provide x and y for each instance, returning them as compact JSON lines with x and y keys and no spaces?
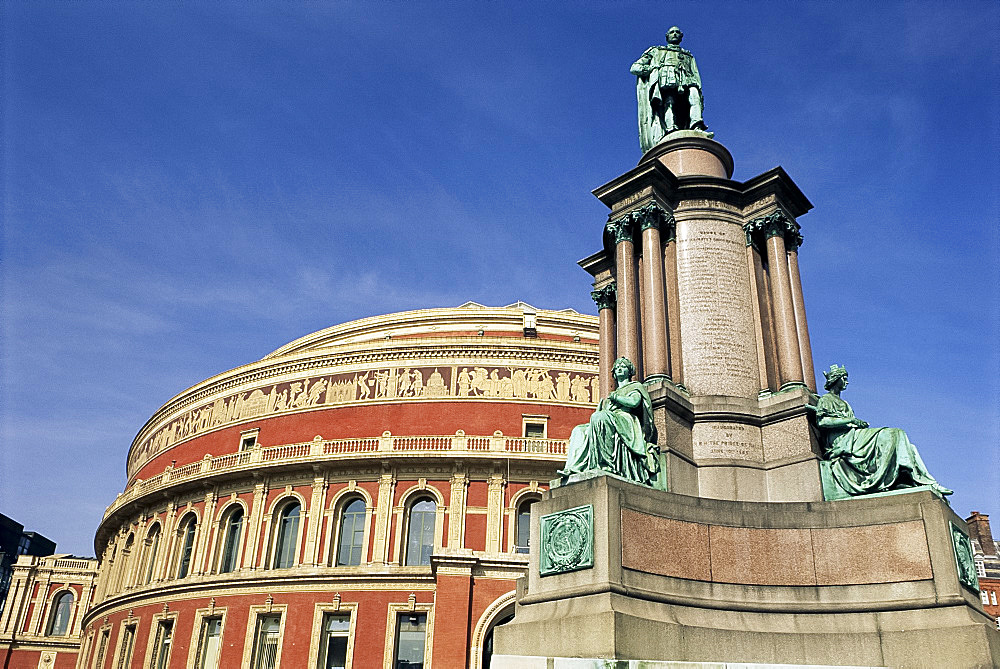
{"x":715,"y":509}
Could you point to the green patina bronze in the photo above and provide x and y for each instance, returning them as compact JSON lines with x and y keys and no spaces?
{"x":862,"y":460}
{"x":620,"y":438}
{"x":567,"y":541}
{"x":605,"y":297}
{"x":620,"y":229}
{"x":964,"y":561}
{"x":775,"y":224}
{"x":668,"y":89}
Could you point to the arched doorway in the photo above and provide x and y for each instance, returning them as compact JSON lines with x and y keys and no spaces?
{"x":499,"y":612}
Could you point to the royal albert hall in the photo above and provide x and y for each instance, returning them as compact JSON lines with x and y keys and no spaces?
{"x":357,"y":498}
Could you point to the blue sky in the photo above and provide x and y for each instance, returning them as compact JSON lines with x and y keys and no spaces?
{"x":188,"y":186}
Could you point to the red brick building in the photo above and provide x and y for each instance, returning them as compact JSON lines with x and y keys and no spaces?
{"x":987,"y":558}
{"x":357,"y":498}
{"x":41,"y":623}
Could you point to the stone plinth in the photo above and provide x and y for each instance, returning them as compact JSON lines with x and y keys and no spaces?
{"x":864,"y":582}
{"x":690,"y":152}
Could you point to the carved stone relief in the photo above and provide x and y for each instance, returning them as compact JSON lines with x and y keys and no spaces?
{"x":400,"y":383}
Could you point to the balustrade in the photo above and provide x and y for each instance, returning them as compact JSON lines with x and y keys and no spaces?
{"x":456,"y":445}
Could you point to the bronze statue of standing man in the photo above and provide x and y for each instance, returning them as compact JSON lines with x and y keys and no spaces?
{"x":668,"y":88}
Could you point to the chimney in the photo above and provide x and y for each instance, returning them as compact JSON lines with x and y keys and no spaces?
{"x":979,"y":528}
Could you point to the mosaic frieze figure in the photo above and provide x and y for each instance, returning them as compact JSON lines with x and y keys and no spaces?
{"x":863,"y":459}
{"x":620,"y":437}
{"x":378,"y":384}
{"x":668,"y":89}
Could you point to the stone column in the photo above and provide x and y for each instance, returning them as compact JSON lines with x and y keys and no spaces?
{"x":627,"y":281}
{"x":793,"y":241}
{"x":655,"y":340}
{"x":774,"y":226}
{"x":762,"y":315}
{"x":605,"y":297}
{"x":669,"y":233}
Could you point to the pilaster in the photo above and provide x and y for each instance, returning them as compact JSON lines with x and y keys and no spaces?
{"x":494,"y":509}
{"x":205,"y":532}
{"x":383,"y":514}
{"x":317,"y":502}
{"x":254,"y":539}
{"x":456,"y":511}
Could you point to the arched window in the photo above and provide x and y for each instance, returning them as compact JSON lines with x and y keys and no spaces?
{"x":522,"y":525}
{"x":287,"y":541}
{"x":420,"y":532}
{"x":151,"y":549}
{"x":488,"y":642}
{"x":186,"y":546}
{"x":351,"y":540}
{"x":62,"y":610}
{"x":232,"y":527}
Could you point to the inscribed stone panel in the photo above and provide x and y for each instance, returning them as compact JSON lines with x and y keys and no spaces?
{"x":717,"y":327}
{"x":727,"y":440}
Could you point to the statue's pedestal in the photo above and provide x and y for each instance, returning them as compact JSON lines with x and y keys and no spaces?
{"x":867,"y":582}
{"x":690,"y":152}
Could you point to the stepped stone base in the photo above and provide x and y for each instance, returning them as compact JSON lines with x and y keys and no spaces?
{"x":524,"y":662}
{"x":866,"y":582}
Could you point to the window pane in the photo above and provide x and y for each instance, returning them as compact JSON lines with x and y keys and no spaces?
{"x":410,"y":631}
{"x":161,"y":651}
{"x":336,"y":653}
{"x":266,"y":646}
{"x":352,"y":534}
{"x":62,"y":609}
{"x":420,"y":539}
{"x":534,"y":430}
{"x":186,"y":548}
{"x":128,"y":637}
{"x":234,"y":527}
{"x":102,"y":649}
{"x":154,"y":546}
{"x":211,"y":631}
{"x":523,"y":527}
{"x":288,"y":531}
{"x":333,"y":650}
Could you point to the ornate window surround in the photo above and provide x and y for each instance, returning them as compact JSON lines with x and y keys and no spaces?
{"x":250,"y":639}
{"x":392,"y":613}
{"x":154,"y":633}
{"x":272,"y":530}
{"x":346,"y":608}
{"x":402,"y":513}
{"x":199,"y":620}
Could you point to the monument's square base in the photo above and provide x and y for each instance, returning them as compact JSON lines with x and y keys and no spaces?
{"x":675,"y":578}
